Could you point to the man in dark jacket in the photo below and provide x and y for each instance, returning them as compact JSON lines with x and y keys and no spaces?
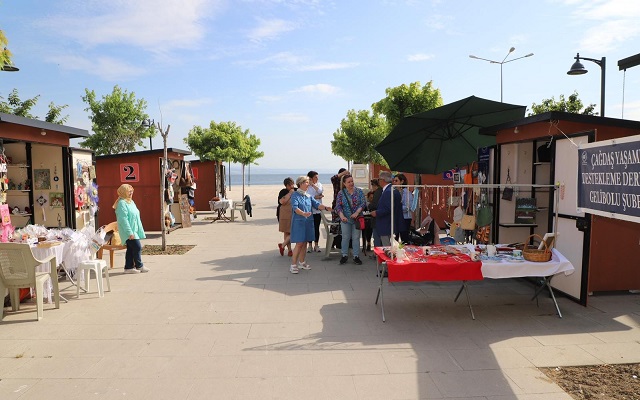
{"x":383,"y":211}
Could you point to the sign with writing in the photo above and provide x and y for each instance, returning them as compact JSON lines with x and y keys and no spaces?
{"x":129,"y":172}
{"x":609,"y":178}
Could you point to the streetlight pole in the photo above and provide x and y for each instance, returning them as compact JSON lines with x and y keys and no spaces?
{"x":504,"y":61}
{"x":149,"y":123}
{"x":578,"y":69}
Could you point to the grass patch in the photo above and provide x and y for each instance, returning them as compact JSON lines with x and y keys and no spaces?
{"x":172,"y":249}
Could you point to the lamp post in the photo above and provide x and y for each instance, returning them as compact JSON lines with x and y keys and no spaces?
{"x":8,"y":67}
{"x":578,"y":69}
{"x":504,"y":61}
{"x":146,"y":124}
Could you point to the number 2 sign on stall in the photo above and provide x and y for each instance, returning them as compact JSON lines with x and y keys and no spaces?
{"x":129,"y":172}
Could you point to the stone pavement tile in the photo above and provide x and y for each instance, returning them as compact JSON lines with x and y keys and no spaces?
{"x":553,"y":356}
{"x":8,"y":365}
{"x":59,"y":388}
{"x":495,"y":358}
{"x":127,"y":367}
{"x":202,"y":367}
{"x":266,"y":365}
{"x":512,"y":338}
{"x":280,"y":330}
{"x":176,"y":348}
{"x":232,"y":389}
{"x":351,"y":363}
{"x":532,"y":381}
{"x":618,"y":336}
{"x":54,"y":368}
{"x":467,"y":384}
{"x":410,"y":361}
{"x":566,"y":339}
{"x":12,"y":389}
{"x":314,"y":388}
{"x":522,"y":396}
{"x":397,"y":386}
{"x":219,"y":331}
{"x":615,"y":353}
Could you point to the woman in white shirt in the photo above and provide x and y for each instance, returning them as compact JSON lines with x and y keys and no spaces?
{"x":315,"y":191}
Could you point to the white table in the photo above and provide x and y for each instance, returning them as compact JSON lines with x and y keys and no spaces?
{"x":68,"y":254}
{"x":545,"y":270}
{"x":221,"y":207}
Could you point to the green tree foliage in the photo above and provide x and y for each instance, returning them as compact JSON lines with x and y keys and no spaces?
{"x":357,"y":136}
{"x":22,"y":108}
{"x":5,"y":54}
{"x":117,"y":122}
{"x":224,"y":141}
{"x":404,"y":100}
{"x":571,"y":105}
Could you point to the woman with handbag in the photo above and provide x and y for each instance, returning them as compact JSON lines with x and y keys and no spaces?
{"x":349,"y":205}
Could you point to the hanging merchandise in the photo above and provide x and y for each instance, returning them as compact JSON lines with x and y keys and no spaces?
{"x":468,"y":221}
{"x":485,"y":212}
{"x":42,"y":201}
{"x":507,"y":192}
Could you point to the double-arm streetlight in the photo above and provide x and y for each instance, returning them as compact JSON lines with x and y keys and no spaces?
{"x":504,"y":61}
{"x":578,"y":69}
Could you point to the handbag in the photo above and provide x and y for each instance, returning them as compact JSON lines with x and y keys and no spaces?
{"x":457,"y":232}
{"x":482,"y":234}
{"x":360,"y":223}
{"x":484,"y":213}
{"x":468,"y":221}
{"x":507,"y":192}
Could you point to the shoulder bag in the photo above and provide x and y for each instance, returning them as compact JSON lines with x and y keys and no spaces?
{"x":507,"y":192}
{"x":485,"y":212}
{"x":468,"y":222}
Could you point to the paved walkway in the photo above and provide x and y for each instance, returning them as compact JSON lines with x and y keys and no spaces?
{"x":228,"y":321}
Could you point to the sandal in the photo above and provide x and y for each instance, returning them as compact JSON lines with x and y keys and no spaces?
{"x":281,"y":249}
{"x":290,"y":253}
{"x":304,"y":265}
{"x":293,"y":269}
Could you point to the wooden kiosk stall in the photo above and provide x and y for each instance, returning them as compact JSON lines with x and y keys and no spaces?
{"x":543,"y":149}
{"x":209,"y":176}
{"x":142,"y":170}
{"x":40,"y":171}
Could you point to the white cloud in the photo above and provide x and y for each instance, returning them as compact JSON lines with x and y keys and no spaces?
{"x":269,"y":99}
{"x":269,"y":29}
{"x":321,"y":88}
{"x":419,"y":57}
{"x":150,"y":24}
{"x":291,"y":62}
{"x":609,"y":23}
{"x":290,"y":117}
{"x":107,"y":68}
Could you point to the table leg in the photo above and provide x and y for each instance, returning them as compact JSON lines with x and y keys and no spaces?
{"x":380,"y":294}
{"x":546,"y":283}
{"x":466,"y":291}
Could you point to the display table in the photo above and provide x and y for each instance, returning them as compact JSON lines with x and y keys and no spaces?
{"x":525,"y":269}
{"x":41,"y":253}
{"x":68,"y":255}
{"x":220,"y":206}
{"x":421,"y":268}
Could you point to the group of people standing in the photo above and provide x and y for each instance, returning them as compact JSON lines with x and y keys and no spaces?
{"x":299,"y":211}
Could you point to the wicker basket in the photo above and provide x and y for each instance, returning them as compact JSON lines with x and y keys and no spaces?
{"x":531,"y":253}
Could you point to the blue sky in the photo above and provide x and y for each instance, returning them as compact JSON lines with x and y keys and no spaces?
{"x":289,"y":70}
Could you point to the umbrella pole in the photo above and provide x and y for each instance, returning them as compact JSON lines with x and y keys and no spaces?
{"x":418,"y":182}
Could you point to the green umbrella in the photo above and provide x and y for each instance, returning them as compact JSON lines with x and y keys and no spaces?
{"x":440,"y":139}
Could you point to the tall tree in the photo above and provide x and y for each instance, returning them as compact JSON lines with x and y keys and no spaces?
{"x":117,"y":122}
{"x":571,"y":105}
{"x":224,"y":141}
{"x":357,"y":136}
{"x":16,"y":106}
{"x":405,"y":100}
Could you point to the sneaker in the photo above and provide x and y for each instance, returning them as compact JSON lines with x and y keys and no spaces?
{"x":290,"y":253}
{"x":142,"y":269}
{"x":304,"y":265}
{"x":131,"y":271}
{"x":317,"y":249}
{"x":343,"y":260}
{"x":281,"y":248}
{"x":293,"y":269}
{"x":357,"y":260}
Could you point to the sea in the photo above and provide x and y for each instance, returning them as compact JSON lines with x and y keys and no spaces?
{"x":273,"y":178}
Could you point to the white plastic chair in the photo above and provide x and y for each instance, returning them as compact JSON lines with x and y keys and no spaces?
{"x":327,"y":231}
{"x":18,"y":270}
{"x":99,"y":268}
{"x":238,"y":206}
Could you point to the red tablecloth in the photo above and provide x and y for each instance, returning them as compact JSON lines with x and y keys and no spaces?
{"x":433,"y":269}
